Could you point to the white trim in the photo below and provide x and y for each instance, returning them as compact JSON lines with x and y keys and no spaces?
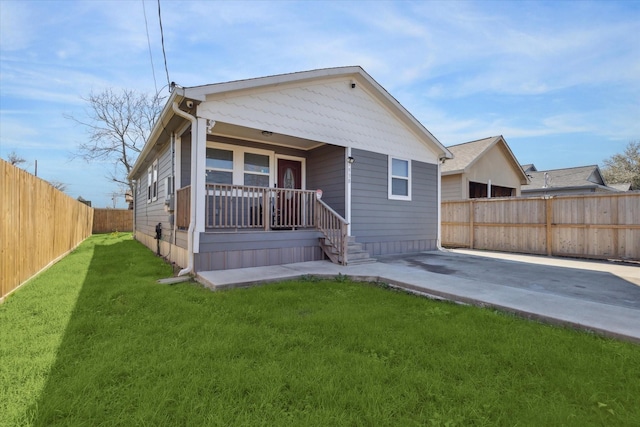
{"x":238,"y":161}
{"x":155,"y":185}
{"x":148,"y":195}
{"x":198,"y":194}
{"x":390,"y":177}
{"x":303,"y":171}
{"x":347,"y":192}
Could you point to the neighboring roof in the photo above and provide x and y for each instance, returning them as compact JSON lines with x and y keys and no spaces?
{"x":625,"y":186}
{"x":576,"y":177}
{"x":202,"y":93}
{"x":467,"y":154}
{"x":529,"y":167}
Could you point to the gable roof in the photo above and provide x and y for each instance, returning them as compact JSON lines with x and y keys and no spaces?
{"x":624,"y":186}
{"x":468,"y":153}
{"x":238,"y":88}
{"x":576,"y":177}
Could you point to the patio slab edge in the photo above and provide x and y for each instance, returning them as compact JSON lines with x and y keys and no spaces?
{"x":266,"y":275}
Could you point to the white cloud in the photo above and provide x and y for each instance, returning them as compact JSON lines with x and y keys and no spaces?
{"x":15,"y":19}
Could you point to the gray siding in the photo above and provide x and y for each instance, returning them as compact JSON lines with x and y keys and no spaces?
{"x":149,"y":214}
{"x":326,"y":171}
{"x":222,"y":251}
{"x":392,"y":226}
{"x":185,"y":160}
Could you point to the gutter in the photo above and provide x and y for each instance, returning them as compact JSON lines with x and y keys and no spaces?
{"x":192,"y":221}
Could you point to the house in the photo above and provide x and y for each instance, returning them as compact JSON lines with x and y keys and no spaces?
{"x":287,"y":168}
{"x":567,"y":181}
{"x":482,"y":168}
{"x":623,"y":186}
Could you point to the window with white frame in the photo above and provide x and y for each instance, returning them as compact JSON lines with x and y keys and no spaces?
{"x":154,"y":183}
{"x":219,"y":166}
{"x":399,"y":179}
{"x":149,"y":177}
{"x":229,"y":164}
{"x":256,"y":170}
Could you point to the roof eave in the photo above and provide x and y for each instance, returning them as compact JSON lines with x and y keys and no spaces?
{"x":164,"y":117}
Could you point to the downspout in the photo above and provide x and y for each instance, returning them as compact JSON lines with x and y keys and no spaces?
{"x":192,"y":220}
{"x":173,"y":185}
{"x":439,"y":238}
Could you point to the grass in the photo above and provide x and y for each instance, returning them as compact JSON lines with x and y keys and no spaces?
{"x":94,"y":341}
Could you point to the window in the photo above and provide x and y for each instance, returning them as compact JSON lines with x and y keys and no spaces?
{"x":256,"y":170}
{"x":168,"y":186}
{"x":229,"y":164}
{"x":154,"y":183}
{"x":399,"y":179}
{"x":219,"y":166}
{"x":149,"y":175}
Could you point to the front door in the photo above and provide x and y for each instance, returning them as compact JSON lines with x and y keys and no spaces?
{"x":288,"y":203}
{"x":289,"y":174}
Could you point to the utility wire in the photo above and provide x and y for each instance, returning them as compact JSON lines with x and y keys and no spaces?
{"x":153,"y":70}
{"x":166,"y":69}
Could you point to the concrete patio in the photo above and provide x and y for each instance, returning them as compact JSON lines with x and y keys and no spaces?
{"x":602,"y":297}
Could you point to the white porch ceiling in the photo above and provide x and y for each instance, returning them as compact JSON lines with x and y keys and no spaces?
{"x":257,"y":135}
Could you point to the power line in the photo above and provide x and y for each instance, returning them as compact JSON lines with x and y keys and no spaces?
{"x":162,"y":41}
{"x":153,"y":70}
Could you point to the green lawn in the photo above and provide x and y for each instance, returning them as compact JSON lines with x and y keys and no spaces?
{"x":95,"y":341}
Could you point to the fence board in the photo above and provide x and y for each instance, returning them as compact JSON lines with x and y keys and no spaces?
{"x":38,"y":225}
{"x":110,"y":220}
{"x":594,"y":226}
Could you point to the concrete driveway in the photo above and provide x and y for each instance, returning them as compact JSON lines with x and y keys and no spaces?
{"x":603,"y":297}
{"x":601,"y":282}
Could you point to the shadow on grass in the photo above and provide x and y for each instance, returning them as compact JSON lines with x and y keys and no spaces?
{"x":316,"y":353}
{"x":94,"y":359}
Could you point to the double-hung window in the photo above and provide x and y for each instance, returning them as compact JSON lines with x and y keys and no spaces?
{"x":219,"y":166}
{"x":399,"y":179}
{"x":152,"y":182}
{"x":228,"y":164}
{"x":256,"y":170}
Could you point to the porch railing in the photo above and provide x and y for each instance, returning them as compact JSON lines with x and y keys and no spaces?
{"x":334,"y":228}
{"x":237,"y":207}
{"x":183,"y":207}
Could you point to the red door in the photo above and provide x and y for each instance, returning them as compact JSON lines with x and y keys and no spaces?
{"x":288,"y":204}
{"x":289,"y":174}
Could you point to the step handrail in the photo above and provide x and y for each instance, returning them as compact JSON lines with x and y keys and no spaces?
{"x":334,"y":228}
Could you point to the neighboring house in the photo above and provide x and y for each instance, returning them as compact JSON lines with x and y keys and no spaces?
{"x":482,"y":168}
{"x":228,"y":177}
{"x":568,"y":181}
{"x":625,"y":186}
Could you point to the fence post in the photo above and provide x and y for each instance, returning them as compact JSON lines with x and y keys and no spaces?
{"x":549,"y":217}
{"x":471,"y":214}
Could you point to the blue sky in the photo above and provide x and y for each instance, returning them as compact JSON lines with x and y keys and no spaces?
{"x":559,"y":80}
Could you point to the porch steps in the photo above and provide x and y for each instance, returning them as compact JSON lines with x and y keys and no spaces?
{"x":355,"y":254}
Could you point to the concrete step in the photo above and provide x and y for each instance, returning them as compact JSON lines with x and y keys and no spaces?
{"x":361,"y":261}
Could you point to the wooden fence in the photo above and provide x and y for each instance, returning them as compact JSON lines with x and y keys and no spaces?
{"x":38,"y":225}
{"x":110,"y":220}
{"x":590,"y":226}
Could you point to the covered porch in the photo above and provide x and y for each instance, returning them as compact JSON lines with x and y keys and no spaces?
{"x":240,"y":209}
